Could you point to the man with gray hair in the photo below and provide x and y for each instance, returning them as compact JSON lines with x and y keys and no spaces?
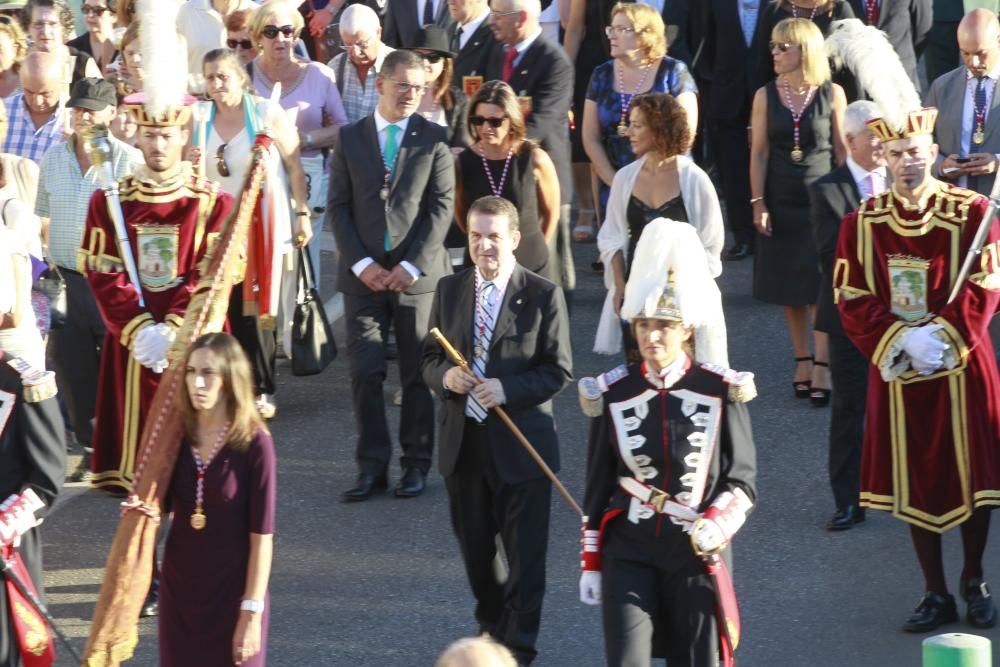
{"x":356,"y":68}
{"x":832,"y":197}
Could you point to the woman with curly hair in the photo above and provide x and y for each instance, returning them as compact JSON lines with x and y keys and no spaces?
{"x":13,"y":49}
{"x":661,"y":183}
{"x":50,"y":22}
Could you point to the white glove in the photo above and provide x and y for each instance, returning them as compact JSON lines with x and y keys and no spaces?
{"x":140,"y":346}
{"x":926,"y":350}
{"x":708,"y":536}
{"x":590,"y":587}
{"x":160,"y":339}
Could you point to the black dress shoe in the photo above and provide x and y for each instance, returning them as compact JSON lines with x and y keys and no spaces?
{"x":738,"y":251}
{"x":979,"y":610}
{"x":846,"y":517}
{"x":411,"y":484}
{"x":934,"y":610}
{"x":367,"y":486}
{"x":151,"y":606}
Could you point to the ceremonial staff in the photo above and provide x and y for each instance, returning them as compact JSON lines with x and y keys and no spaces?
{"x":457,"y":359}
{"x":977,"y":245}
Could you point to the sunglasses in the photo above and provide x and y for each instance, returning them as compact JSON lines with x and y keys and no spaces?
{"x":432,"y":58}
{"x":478,"y":121}
{"x":245,"y":44}
{"x":781,"y":46}
{"x":220,"y":161}
{"x":94,"y":11}
{"x":271,"y":31}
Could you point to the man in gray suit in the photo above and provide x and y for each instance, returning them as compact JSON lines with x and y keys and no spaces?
{"x":390,"y":211}
{"x":968,"y":125}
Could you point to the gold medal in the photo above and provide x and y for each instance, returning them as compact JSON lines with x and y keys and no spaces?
{"x":197,"y":519}
{"x":978,"y":136}
{"x":384,"y":194}
{"x":622,"y":129}
{"x":797,"y":154}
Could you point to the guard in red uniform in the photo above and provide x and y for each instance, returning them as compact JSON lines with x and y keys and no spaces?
{"x":171,"y":217}
{"x":932,"y":424}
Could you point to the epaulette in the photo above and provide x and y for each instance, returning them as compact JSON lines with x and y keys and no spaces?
{"x":592,"y":390}
{"x":742,"y":388}
{"x":38,"y":385}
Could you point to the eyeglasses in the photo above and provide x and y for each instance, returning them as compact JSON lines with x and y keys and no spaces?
{"x":478,"y":121}
{"x":271,"y":31}
{"x":403,"y":87}
{"x":245,"y":44}
{"x":619,"y":30}
{"x":432,"y":58}
{"x":220,"y":161}
{"x":94,"y":11}
{"x":516,"y":11}
{"x":360,"y":46}
{"x":781,"y":46}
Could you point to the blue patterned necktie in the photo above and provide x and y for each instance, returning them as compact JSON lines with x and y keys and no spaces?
{"x":428,"y":12}
{"x":481,"y":339}
{"x":979,"y":104}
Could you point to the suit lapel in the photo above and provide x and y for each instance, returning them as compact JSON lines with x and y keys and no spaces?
{"x":852,"y":195}
{"x":465,"y":301}
{"x":992,"y":121}
{"x":371,"y":138}
{"x":413,"y":129}
{"x":513,"y":302}
{"x":956,"y":91}
{"x":524,"y":67}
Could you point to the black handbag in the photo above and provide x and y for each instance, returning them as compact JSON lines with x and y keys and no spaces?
{"x":313,"y":347}
{"x":52,"y":284}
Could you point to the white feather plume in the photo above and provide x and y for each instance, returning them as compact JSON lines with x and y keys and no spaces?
{"x":867,"y":53}
{"x":164,"y":62}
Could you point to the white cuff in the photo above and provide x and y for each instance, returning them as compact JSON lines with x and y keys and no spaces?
{"x":361,"y":265}
{"x":412,"y":270}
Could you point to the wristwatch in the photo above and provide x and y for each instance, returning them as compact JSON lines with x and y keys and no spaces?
{"x":252,"y":606}
{"x":308,"y":137}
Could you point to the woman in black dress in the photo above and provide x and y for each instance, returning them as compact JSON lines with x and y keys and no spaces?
{"x":796,"y":138}
{"x":504,"y":163}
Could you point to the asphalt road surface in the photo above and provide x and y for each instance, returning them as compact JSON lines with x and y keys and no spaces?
{"x":381,"y":583}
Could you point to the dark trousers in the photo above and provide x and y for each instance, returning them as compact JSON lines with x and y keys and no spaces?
{"x":732,"y":155}
{"x":367,"y":318}
{"x":482,"y":505}
{"x":849,"y":376}
{"x":75,"y":353}
{"x":261,"y":346}
{"x":657,"y":599}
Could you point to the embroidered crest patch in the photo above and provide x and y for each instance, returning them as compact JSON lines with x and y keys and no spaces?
{"x":908,"y":277}
{"x":158,"y":247}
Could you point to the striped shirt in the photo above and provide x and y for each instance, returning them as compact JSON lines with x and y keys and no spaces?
{"x":23,"y":138}
{"x":64,"y":195}
{"x":359,"y":101}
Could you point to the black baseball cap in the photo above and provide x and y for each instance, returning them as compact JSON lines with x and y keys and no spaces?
{"x":93,"y":94}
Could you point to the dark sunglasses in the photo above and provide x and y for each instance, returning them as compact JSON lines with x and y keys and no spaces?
{"x":94,"y":11}
{"x":781,"y":46}
{"x":271,"y":31}
{"x":492,"y":122}
{"x":242,"y":43}
{"x":220,"y":161}
{"x":433,"y":58}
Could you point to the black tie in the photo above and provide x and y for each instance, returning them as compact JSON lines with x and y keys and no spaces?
{"x":456,"y":41}
{"x":428,"y":12}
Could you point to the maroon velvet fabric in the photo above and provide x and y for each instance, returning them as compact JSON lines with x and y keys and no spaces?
{"x":204,"y":571}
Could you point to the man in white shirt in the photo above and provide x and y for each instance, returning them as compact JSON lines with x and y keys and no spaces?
{"x":473,"y":41}
{"x":832,"y":197}
{"x":403,"y":18}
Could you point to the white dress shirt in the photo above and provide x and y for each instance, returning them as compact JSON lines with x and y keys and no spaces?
{"x":870,"y":183}
{"x":380,"y":131}
{"x":468,"y":29}
{"x":969,"y":106}
{"x":523,"y":45}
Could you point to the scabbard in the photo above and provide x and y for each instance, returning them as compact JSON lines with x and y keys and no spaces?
{"x":727,"y":612}
{"x":27,"y":613}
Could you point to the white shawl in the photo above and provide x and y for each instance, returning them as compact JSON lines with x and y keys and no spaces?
{"x":704,"y":214}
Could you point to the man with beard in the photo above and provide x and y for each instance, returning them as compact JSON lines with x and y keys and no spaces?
{"x":931,"y":424}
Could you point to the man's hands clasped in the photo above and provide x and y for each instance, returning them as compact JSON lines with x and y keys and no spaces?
{"x":488,"y":391}
{"x":378,"y":279}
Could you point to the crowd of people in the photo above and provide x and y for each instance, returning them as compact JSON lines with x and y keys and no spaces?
{"x":454,"y":151}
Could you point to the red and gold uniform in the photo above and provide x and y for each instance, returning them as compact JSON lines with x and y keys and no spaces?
{"x":930,"y":448}
{"x":171,"y":225}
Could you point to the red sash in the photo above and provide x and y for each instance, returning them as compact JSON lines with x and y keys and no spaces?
{"x":33,"y":634}
{"x":727,"y":613}
{"x":257,"y":283}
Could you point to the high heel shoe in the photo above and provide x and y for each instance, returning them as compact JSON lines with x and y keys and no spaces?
{"x":819,"y":396}
{"x":802,"y":387}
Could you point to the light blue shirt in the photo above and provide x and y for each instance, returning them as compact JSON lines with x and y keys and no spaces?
{"x":749,"y":10}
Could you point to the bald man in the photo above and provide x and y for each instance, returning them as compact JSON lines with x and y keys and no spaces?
{"x":34,"y":115}
{"x":968,"y":125}
{"x":481,"y":651}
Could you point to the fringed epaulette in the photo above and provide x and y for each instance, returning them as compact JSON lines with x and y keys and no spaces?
{"x":742,"y":388}
{"x":592,"y":390}
{"x":38,"y":384}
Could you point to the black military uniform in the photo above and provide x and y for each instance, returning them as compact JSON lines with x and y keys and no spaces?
{"x":686,"y":432}
{"x":32,"y":455}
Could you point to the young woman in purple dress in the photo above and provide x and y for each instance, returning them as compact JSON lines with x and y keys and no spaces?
{"x":213,"y":599}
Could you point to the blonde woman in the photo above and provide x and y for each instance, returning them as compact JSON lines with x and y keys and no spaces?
{"x":638,"y":64}
{"x":13,"y":49}
{"x":796,"y":138}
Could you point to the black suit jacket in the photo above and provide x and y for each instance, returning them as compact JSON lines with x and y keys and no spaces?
{"x":402,"y":23}
{"x":545,"y":75}
{"x":420,"y":205}
{"x":906,"y":24}
{"x":831,"y":197}
{"x":728,"y":60}
{"x":530,"y":355}
{"x":473,"y":59}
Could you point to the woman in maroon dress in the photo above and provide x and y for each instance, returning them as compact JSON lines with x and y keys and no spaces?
{"x":213,"y":598}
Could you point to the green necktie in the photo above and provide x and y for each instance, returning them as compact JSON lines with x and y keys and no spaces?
{"x":389,"y":151}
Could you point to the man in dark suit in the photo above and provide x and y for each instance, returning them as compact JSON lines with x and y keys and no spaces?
{"x":730,"y":34}
{"x":473,"y":41}
{"x":832,"y":197}
{"x":390,"y":212}
{"x":905,"y":22}
{"x":542,"y":78}
{"x":512,"y":326}
{"x":403,"y":18}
